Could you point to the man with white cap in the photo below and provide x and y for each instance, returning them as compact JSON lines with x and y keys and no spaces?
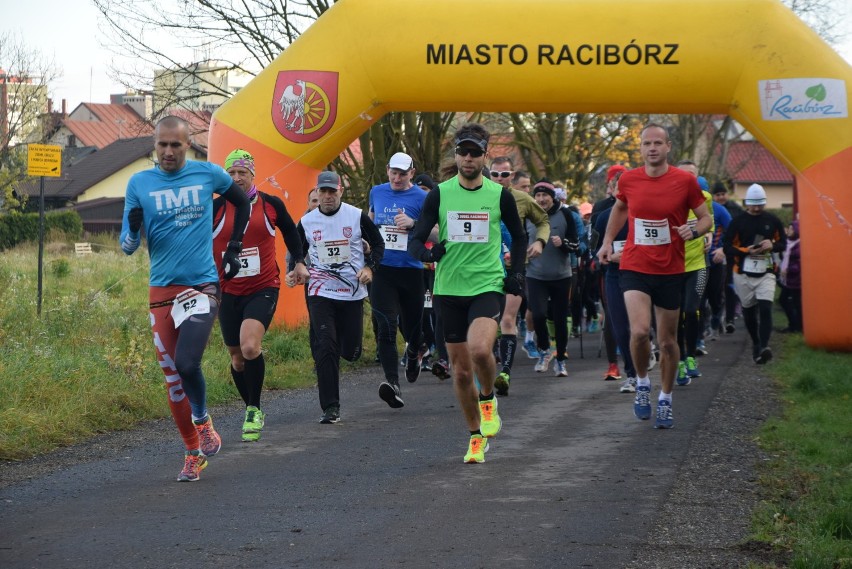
{"x":397,"y":292}
{"x":750,"y":241}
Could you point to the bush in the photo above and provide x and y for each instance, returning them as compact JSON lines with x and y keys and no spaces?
{"x":18,"y":227}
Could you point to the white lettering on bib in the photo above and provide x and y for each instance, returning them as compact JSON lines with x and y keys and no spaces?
{"x":249,"y":263}
{"x":651,"y":232}
{"x":468,"y":226}
{"x":396,"y":239}
{"x":187,"y":303}
{"x":334,"y":252}
{"x":755,"y":264}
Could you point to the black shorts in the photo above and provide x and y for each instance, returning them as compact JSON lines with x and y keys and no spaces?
{"x":259,"y":306}
{"x":457,"y":312}
{"x":664,"y":290}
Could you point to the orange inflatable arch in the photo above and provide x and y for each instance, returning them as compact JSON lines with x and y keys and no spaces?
{"x":752,"y":59}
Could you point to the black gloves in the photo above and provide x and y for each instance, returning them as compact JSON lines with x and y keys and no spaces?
{"x":434,"y":254}
{"x":134,"y":219}
{"x":231,"y":259}
{"x":513,"y":283}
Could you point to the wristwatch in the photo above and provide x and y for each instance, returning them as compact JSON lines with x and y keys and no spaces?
{"x":695,"y":234}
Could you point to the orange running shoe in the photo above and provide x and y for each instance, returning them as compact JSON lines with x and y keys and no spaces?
{"x":211,"y":442}
{"x":612,"y":373}
{"x":193,"y":463}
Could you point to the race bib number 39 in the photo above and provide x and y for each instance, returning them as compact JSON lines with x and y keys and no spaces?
{"x":187,"y":303}
{"x":334,"y":252}
{"x":468,"y":226}
{"x":395,"y":239}
{"x":651,"y":232}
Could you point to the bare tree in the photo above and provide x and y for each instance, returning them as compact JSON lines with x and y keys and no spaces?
{"x":25,"y":76}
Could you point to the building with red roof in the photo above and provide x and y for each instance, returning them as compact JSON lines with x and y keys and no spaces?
{"x":748,"y":162}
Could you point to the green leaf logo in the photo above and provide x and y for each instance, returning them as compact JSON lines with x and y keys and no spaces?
{"x":817,"y":92}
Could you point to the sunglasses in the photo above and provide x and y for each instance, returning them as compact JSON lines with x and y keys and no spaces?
{"x":474,"y":152}
{"x":496,"y":174}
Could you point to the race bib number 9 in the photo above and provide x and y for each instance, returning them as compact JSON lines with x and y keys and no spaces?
{"x":468,"y":226}
{"x":334,"y":252}
{"x":187,"y":303}
{"x":395,"y":239}
{"x":651,"y":232}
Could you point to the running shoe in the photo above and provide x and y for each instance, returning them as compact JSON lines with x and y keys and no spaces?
{"x":391,"y":394}
{"x":763,"y":356}
{"x":531,"y":350}
{"x":692,"y":368}
{"x":594,"y":325}
{"x":476,"y":449}
{"x":412,"y":367}
{"x":612,"y":373}
{"x":543,"y":361}
{"x":652,"y":360}
{"x":665,"y":419}
{"x":700,"y":348}
{"x":629,"y":385}
{"x":441,"y":369}
{"x":426,"y":364}
{"x":193,"y":463}
{"x":211,"y":442}
{"x":501,"y":384}
{"x":489,"y":418}
{"x":330,"y":415}
{"x":683,"y":378}
{"x":729,"y":327}
{"x":575,"y":332}
{"x":560,"y":368}
{"x":642,"y":402}
{"x":253,"y":424}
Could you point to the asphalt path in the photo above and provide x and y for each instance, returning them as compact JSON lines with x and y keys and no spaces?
{"x":572,"y":480}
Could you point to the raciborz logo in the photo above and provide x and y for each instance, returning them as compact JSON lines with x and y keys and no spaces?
{"x":802,"y":99}
{"x":304,"y":104}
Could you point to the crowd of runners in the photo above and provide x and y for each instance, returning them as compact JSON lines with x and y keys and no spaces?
{"x":467,"y":271}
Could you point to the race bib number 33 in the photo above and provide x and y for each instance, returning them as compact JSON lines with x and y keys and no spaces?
{"x":468,"y":226}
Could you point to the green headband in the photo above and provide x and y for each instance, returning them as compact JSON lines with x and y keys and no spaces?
{"x":240,"y":158}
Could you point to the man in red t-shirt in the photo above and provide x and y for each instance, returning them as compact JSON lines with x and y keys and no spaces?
{"x":654,"y":200}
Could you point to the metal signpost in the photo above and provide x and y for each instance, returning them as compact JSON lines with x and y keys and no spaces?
{"x":43,"y":160}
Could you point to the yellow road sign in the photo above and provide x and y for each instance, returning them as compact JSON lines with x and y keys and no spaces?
{"x":44,"y":160}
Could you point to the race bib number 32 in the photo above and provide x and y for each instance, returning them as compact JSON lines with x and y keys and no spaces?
{"x":334,"y":252}
{"x":468,"y":226}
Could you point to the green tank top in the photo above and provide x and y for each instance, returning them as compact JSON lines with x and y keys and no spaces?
{"x":694,"y":257}
{"x":469,"y":221}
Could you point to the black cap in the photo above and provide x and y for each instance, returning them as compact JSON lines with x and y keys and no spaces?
{"x":474,"y":139}
{"x":424,"y":180}
{"x":328,"y":179}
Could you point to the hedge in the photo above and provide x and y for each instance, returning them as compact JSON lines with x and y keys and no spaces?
{"x":18,"y":227}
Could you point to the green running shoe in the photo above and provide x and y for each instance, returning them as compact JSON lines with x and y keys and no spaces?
{"x":253,"y":424}
{"x":489,"y":423}
{"x":501,"y":384}
{"x":476,"y":449}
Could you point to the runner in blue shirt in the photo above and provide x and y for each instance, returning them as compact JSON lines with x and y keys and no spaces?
{"x":174,"y":200}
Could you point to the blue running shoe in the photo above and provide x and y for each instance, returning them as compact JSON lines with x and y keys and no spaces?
{"x":531,"y":350}
{"x":664,"y":415}
{"x":642,"y":403}
{"x":692,"y":368}
{"x":683,"y":378}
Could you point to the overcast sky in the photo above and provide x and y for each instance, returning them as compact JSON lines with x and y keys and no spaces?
{"x":68,"y":31}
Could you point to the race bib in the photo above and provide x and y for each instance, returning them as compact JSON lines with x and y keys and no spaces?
{"x":651,"y":232}
{"x":755,"y":264}
{"x":618,"y":246}
{"x":187,"y":303}
{"x":427,"y":300}
{"x":468,"y":226}
{"x":334,"y":252}
{"x":249,"y":263}
{"x":395,"y":239}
